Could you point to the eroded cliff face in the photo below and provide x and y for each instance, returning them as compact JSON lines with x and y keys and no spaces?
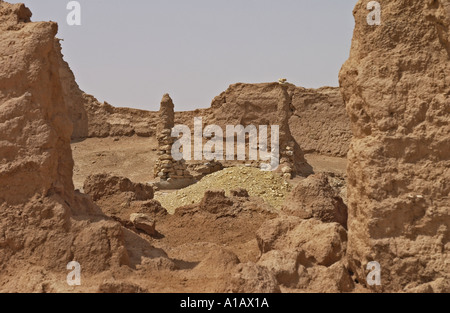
{"x":74,"y":97}
{"x":396,"y":86}
{"x":38,"y":204}
{"x":36,"y":154}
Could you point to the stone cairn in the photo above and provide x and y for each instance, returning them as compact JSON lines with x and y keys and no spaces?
{"x":292,"y":161}
{"x":166,"y":168}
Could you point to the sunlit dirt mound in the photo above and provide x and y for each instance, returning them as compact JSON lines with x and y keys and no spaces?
{"x":266,"y":185}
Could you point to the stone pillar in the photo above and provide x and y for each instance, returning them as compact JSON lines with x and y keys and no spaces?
{"x":166,"y":168}
{"x":292,"y":160}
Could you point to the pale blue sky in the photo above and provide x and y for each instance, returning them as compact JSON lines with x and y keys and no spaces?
{"x":129,"y":53}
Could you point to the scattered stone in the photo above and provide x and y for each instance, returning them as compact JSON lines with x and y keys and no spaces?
{"x":144,"y":222}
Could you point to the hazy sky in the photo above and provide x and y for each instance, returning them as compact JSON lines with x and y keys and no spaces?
{"x":129,"y":53}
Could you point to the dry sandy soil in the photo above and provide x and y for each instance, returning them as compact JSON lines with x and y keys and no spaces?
{"x":134,"y":157}
{"x":190,"y":236}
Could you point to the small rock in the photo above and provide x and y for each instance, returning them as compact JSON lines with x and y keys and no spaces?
{"x":144,"y":222}
{"x":240,"y":193}
{"x":282,"y":264}
{"x":252,"y":278}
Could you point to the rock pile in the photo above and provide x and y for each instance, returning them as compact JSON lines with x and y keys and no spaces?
{"x":167,"y":169}
{"x":292,"y":161}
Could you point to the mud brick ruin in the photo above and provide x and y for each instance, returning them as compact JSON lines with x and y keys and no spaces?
{"x":166,"y":168}
{"x":76,"y":174}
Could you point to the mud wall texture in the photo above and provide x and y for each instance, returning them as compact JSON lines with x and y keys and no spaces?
{"x":44,"y":223}
{"x":319,"y":122}
{"x":396,"y":86}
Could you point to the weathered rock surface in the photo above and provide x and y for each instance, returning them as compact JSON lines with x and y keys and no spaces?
{"x":314,"y":197}
{"x":262,"y":104}
{"x":104,"y":120}
{"x":73,"y":97}
{"x":396,"y":86}
{"x":319,"y":122}
{"x":317,"y":117}
{"x":34,"y":162}
{"x":252,"y":278}
{"x":335,"y":278}
{"x":149,"y":207}
{"x":314,"y":242}
{"x":282,"y":264}
{"x":305,"y":254}
{"x":219,"y":262}
{"x":37,"y":198}
{"x":396,"y":89}
{"x":144,"y":222}
{"x":102,"y":185}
